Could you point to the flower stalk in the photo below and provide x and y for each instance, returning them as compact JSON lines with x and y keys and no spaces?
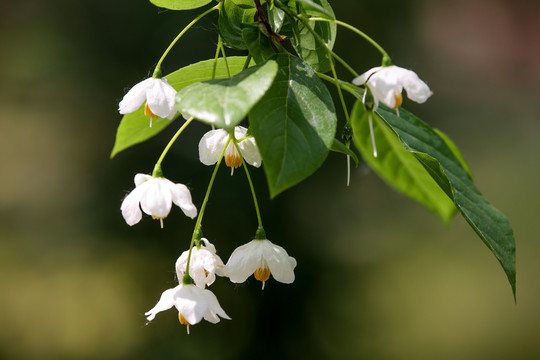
{"x":157,"y":70}
{"x":197,"y":231}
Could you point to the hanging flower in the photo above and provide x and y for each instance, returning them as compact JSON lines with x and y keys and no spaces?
{"x":261,"y":258}
{"x":213,"y":142}
{"x":159,"y":97}
{"x":204,"y":264}
{"x":155,"y":196}
{"x":193,"y":304}
{"x":387,"y":83}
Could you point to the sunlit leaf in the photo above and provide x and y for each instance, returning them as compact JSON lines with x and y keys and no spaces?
{"x":180,"y":4}
{"x":226,"y":102}
{"x":397,"y":166}
{"x":317,"y":9}
{"x":134,"y":128}
{"x":294,"y":124}
{"x":442,"y":164}
{"x":307,"y":45}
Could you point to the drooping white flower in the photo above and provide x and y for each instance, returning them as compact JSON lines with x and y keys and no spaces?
{"x":155,"y":196}
{"x":205,"y":264}
{"x":159,"y":97}
{"x":193,"y":304}
{"x":387,"y":83}
{"x":261,"y":258}
{"x":213,"y":142}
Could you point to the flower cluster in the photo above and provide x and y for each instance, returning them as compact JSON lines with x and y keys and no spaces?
{"x":198,"y":266}
{"x":194,"y":302}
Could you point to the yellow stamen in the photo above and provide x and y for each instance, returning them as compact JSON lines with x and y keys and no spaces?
{"x":262,"y":274}
{"x":399,"y":100}
{"x":182,"y":319}
{"x":233,"y":160}
{"x":149,"y":112}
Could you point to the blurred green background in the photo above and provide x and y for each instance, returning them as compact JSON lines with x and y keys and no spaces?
{"x":378,"y":276}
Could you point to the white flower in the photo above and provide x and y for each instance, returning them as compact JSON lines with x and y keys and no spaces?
{"x":155,"y":196}
{"x":193,"y":304}
{"x":387,"y":83}
{"x":213,"y":142}
{"x":204,"y":264}
{"x":261,"y":258}
{"x":159,"y":96}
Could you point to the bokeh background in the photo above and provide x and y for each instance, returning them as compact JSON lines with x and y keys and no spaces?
{"x":378,"y":276}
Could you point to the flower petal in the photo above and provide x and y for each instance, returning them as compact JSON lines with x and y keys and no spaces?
{"x":130,"y":207}
{"x":181,"y":196}
{"x":417,"y":90}
{"x":360,"y":80}
{"x":156,"y":199}
{"x":384,"y":91}
{"x":191,"y":303}
{"x":165,"y":303}
{"x":211,"y":146}
{"x":135,"y":97}
{"x":160,"y":98}
{"x":244,"y":261}
{"x":181,"y":264}
{"x":280,"y":263}
{"x":239,"y":132}
{"x":250,"y":151}
{"x":214,"y":309}
{"x":142,"y":178}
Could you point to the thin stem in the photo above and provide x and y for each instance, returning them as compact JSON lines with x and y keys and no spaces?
{"x":225,"y":58}
{"x":351,"y":89}
{"x":348,"y":170}
{"x":354,"y":90}
{"x":196,"y":231}
{"x":358,"y":32}
{"x":216,"y":57}
{"x":336,"y":82}
{"x":255,"y":202}
{"x":158,"y":66}
{"x":347,"y":66}
{"x":171,"y":142}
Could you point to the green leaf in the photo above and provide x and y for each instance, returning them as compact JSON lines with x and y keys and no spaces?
{"x":316,"y":9}
{"x":294,"y":124}
{"x":306,"y":44}
{"x":397,"y":166}
{"x":226,"y":102}
{"x":259,"y":45}
{"x":455,"y":151}
{"x":180,"y":4}
{"x":339,"y":147}
{"x":134,"y":129}
{"x":234,"y":16}
{"x":441,"y":162}
{"x":276,"y":17}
